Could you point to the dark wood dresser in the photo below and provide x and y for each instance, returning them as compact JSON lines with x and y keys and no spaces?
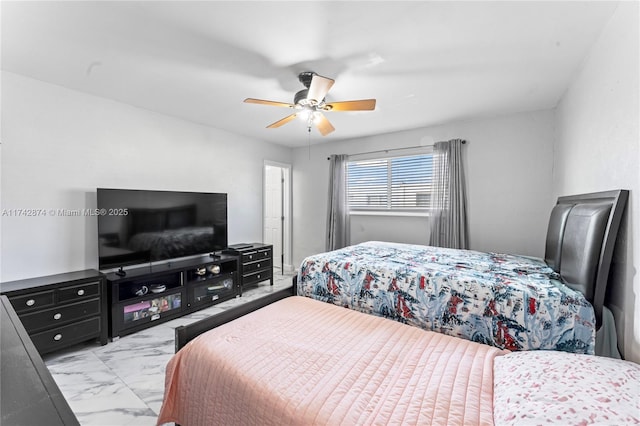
{"x":256,"y":263}
{"x":61,"y":310}
{"x":30,"y":396}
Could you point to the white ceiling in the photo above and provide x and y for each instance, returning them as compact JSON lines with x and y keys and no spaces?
{"x":425,"y":62}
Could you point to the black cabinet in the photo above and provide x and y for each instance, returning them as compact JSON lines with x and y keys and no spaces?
{"x":138,"y":300}
{"x":30,"y":396}
{"x":61,"y":310}
{"x":256,"y":263}
{"x":212,"y":282}
{"x":154,"y":294}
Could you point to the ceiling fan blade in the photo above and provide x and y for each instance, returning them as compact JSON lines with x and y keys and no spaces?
{"x":281,"y":122}
{"x":272,"y":103}
{"x":323,"y":125}
{"x":319,"y":88}
{"x":361,"y":105}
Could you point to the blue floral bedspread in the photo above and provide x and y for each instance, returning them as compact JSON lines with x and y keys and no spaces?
{"x":508,"y":301}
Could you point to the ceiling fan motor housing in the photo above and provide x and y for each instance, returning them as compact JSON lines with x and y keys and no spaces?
{"x":301,"y":97}
{"x":305,"y":78}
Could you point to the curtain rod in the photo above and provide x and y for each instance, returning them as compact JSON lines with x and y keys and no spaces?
{"x":394,"y":149}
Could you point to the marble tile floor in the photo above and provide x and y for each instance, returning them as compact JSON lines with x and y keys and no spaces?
{"x":122,"y":383}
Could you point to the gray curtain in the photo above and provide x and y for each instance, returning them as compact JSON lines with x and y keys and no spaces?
{"x":338,"y":224}
{"x":449,"y":198}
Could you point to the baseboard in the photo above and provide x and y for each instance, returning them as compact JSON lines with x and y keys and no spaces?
{"x":288,"y":269}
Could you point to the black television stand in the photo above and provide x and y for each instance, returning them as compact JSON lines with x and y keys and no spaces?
{"x":150,"y":295}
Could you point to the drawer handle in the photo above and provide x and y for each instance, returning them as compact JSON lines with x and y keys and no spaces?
{"x":258,"y":275}
{"x":81,"y":292}
{"x":258,"y":265}
{"x":31,"y":302}
{"x":57,"y":337}
{"x":57,"y":316}
{"x":250,"y":257}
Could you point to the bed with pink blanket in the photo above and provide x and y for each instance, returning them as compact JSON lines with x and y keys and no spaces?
{"x":299,"y":361}
{"x":286,"y":359}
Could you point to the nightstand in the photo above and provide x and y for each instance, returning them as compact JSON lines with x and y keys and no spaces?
{"x":255,"y":263}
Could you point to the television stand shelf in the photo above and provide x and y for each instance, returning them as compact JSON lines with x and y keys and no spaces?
{"x":150,"y":295}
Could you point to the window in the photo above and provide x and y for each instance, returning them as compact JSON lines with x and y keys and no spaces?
{"x":398,"y":184}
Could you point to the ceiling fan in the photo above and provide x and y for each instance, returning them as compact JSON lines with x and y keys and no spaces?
{"x":309,"y":103}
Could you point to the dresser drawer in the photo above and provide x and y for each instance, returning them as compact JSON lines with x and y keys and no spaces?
{"x":256,"y":277}
{"x":60,"y":315}
{"x":265,"y":253}
{"x":63,"y":336}
{"x":256,"y":266}
{"x":79,"y":291}
{"x":252,"y":256}
{"x":36,"y":300}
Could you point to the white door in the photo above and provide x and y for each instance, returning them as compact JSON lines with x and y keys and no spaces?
{"x":273,"y":211}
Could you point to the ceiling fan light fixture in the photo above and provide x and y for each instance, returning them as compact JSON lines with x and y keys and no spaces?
{"x":308,"y":115}
{"x":305,"y":114}
{"x":315,"y":116}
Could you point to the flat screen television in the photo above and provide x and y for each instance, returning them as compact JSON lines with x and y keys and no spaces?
{"x":142,"y":226}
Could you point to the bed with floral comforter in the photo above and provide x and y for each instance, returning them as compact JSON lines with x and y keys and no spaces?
{"x":507,"y":301}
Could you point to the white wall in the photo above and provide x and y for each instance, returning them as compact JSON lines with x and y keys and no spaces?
{"x":398,"y":229}
{"x":508,"y":163}
{"x":59,"y":145}
{"x":598,"y":149}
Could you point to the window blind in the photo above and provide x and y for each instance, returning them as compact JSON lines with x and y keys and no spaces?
{"x":390,"y":184}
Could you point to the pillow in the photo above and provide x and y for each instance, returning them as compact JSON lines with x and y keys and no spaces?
{"x":552,"y":387}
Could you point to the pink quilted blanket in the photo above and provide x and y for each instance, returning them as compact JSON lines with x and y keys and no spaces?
{"x":303,"y":362}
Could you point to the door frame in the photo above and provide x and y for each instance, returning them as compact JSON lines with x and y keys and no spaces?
{"x":286,"y":211}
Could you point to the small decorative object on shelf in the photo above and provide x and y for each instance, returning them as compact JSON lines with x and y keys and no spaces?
{"x":158,"y":288}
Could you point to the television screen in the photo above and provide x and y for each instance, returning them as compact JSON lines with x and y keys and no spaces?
{"x":139,"y":226}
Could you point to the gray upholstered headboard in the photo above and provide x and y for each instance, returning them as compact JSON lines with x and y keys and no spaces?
{"x":580,"y":240}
